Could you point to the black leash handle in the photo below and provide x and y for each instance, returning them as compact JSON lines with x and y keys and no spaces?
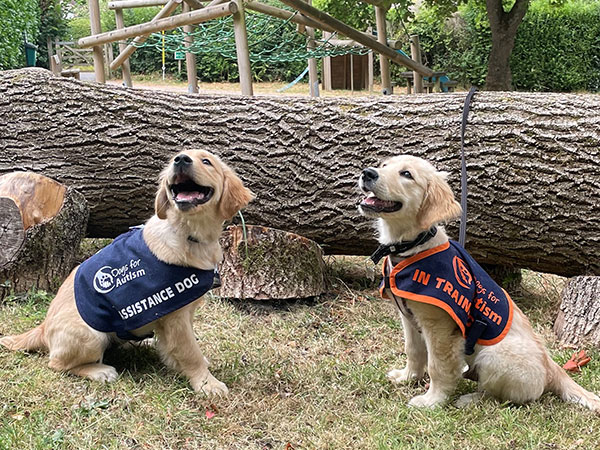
{"x":463,"y":169}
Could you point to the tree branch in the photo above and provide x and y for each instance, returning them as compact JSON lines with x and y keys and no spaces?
{"x":495,"y":13}
{"x":516,"y":14}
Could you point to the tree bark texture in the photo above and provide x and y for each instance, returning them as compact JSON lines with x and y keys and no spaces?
{"x":504,"y":26}
{"x":578,"y":320}
{"x":533,"y":159}
{"x":42,"y":224}
{"x":270,"y":264}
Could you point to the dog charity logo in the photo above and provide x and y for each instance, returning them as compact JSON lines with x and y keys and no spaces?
{"x":462,"y":273}
{"x":108,"y":278}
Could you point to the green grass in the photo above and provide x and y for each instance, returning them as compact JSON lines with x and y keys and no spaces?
{"x":310,"y":374}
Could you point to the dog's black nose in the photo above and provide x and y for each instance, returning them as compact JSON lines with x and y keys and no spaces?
{"x":370,"y":174}
{"x":182,"y":160}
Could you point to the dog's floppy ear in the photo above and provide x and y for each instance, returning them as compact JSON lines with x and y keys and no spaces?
{"x":161,"y":202}
{"x":235,"y":195}
{"x":438,"y":204}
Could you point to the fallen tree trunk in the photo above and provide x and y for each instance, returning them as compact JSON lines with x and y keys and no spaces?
{"x":42,"y":224}
{"x":578,"y":320}
{"x":533,"y":159}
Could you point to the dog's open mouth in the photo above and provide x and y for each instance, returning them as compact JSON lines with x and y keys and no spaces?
{"x":186,"y":193}
{"x":372,"y":203}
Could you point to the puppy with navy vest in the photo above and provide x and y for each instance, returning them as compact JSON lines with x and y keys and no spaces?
{"x":148,"y":281}
{"x":453,"y":314}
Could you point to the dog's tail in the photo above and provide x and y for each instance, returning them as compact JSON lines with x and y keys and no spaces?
{"x":31,"y":340}
{"x":568,"y":390}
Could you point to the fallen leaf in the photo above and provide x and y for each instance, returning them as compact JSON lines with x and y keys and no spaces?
{"x":578,"y":360}
{"x":571,"y":366}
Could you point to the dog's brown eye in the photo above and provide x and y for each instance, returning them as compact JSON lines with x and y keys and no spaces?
{"x":406,"y":174}
{"x":206,"y":162}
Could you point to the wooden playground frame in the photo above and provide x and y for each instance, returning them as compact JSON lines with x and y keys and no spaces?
{"x":198,"y":11}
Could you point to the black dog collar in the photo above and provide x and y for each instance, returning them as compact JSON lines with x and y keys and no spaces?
{"x":401,"y":247}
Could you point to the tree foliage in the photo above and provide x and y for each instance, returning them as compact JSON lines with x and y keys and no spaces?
{"x":36,"y":19}
{"x":52,"y":25}
{"x":556,"y":47}
{"x":355,"y":13}
{"x":20,"y":19}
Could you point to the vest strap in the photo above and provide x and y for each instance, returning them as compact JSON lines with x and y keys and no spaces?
{"x":473,"y":334}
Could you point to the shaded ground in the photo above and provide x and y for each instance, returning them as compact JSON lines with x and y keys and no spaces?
{"x":303,"y":374}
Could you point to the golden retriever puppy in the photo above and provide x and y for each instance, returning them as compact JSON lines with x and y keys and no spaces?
{"x":150,"y":279}
{"x":453,"y":314}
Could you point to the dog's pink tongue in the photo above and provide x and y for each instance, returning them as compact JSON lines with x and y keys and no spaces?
{"x":189,"y":196}
{"x":371,"y":200}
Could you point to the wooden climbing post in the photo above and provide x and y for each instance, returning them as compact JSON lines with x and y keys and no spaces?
{"x":386,"y":80}
{"x":190,"y":58}
{"x":50,"y":53}
{"x":96,"y":28}
{"x":241,"y":47}
{"x":415,"y":53}
{"x":351,"y":72}
{"x":120,"y":23}
{"x":313,"y":74}
{"x":371,"y":64}
{"x":326,"y":73}
{"x":108,"y":58}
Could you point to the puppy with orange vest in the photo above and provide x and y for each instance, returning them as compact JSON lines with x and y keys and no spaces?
{"x":453,"y":314}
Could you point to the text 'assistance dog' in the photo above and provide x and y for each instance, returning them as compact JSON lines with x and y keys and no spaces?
{"x":150,"y":279}
{"x":452,"y":312}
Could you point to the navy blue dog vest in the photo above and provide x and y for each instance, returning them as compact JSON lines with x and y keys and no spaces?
{"x":125,"y":286}
{"x":448,"y":277}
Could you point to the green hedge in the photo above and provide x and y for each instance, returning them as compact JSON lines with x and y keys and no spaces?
{"x":52,"y":25}
{"x":557,"y":47}
{"x":459,"y":46}
{"x":17,"y":17}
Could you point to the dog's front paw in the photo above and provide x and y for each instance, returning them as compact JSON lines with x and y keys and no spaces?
{"x":467,"y":399}
{"x":427,"y":400}
{"x":211,"y":387}
{"x":398,"y":376}
{"x":104,"y":374}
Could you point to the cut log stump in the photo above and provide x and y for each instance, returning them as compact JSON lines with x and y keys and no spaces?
{"x":270,"y":264}
{"x":42,"y":223}
{"x":578,"y":320}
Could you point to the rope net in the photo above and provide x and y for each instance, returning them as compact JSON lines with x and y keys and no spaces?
{"x":269,"y":40}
